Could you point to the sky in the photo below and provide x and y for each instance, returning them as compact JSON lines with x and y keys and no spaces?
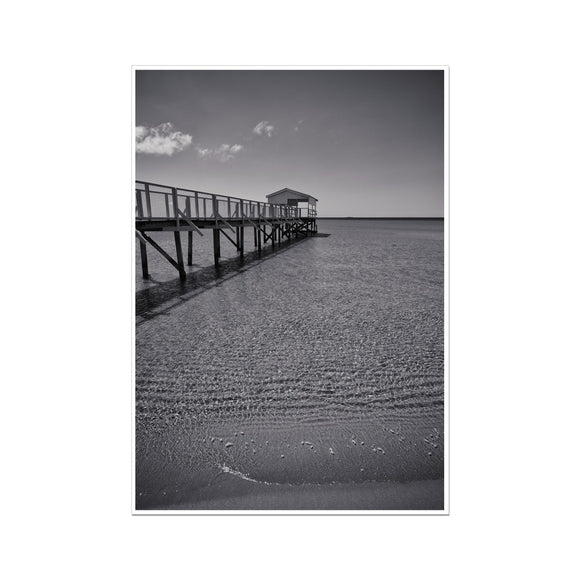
{"x":365,"y":143}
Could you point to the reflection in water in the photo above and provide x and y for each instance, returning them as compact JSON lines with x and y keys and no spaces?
{"x":149,"y":301}
{"x":317,"y":365}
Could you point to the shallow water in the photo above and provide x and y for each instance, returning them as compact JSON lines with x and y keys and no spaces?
{"x":317,"y":365}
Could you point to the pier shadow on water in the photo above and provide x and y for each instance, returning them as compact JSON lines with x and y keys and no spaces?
{"x":164,"y":296}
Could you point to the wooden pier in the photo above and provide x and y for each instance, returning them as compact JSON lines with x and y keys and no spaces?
{"x":162,"y":208}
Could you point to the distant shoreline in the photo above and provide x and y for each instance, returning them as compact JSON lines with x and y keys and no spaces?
{"x":380,"y":218}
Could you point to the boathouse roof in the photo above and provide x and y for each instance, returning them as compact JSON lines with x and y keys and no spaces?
{"x":293,"y":192}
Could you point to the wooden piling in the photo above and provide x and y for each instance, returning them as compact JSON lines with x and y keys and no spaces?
{"x":189,"y":234}
{"x":142,"y":244}
{"x":216,"y":246}
{"x":144,"y":264}
{"x":190,"y":248}
{"x":179,"y":252}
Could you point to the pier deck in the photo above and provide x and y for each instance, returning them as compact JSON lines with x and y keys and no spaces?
{"x":172,"y":209}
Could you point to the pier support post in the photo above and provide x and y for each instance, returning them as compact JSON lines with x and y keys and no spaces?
{"x":216,"y":246}
{"x":255,"y":237}
{"x":144,"y":263}
{"x":241,"y":241}
{"x":179,"y":252}
{"x":190,"y":248}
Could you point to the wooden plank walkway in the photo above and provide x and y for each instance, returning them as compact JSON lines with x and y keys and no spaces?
{"x":163,"y":208}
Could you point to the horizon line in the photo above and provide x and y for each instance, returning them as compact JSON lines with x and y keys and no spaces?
{"x":381,"y":218}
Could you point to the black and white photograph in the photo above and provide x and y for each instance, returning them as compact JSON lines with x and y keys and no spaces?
{"x":290,"y":289}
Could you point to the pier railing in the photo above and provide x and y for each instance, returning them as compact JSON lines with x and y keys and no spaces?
{"x":155,"y":201}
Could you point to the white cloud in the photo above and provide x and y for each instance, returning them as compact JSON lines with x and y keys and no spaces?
{"x":264,"y":128}
{"x":223,"y":153}
{"x":165,"y":140}
{"x":140,"y":132}
{"x":160,"y":140}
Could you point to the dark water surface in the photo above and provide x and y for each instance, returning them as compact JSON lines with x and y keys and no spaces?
{"x":308,"y":378}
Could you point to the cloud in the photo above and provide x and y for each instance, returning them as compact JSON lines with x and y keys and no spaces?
{"x":165,"y":140}
{"x":297,"y":127}
{"x":222,"y":153}
{"x":160,"y":140}
{"x":264,"y":128}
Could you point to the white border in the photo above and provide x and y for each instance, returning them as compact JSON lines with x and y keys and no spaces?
{"x":446,"y":398}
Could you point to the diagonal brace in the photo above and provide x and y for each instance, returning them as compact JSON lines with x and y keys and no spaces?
{"x":189,"y":222}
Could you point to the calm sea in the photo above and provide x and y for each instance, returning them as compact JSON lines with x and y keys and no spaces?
{"x":320,"y":364}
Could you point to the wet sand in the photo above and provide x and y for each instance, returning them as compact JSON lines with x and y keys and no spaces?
{"x":230,"y":492}
{"x":381,"y":464}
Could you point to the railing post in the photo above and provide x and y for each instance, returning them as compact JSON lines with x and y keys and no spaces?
{"x":148,"y":200}
{"x":196,"y":206}
{"x":175,"y":205}
{"x":139,"y":203}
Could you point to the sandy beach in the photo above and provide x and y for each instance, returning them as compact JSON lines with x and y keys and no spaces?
{"x":230,"y":492}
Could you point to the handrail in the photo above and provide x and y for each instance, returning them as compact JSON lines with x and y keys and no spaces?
{"x":220,"y":195}
{"x":195,"y":205}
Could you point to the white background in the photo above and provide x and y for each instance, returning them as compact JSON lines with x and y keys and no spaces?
{"x":66,"y":283}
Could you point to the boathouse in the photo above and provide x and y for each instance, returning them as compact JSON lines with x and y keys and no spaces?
{"x":305,"y":203}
